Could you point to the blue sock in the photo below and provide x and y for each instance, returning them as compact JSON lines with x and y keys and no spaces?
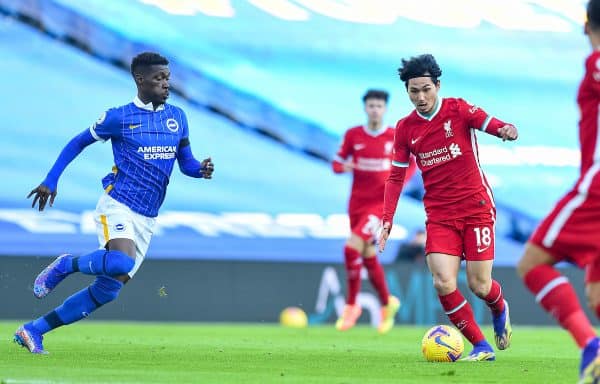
{"x":103,"y":262}
{"x":103,"y":290}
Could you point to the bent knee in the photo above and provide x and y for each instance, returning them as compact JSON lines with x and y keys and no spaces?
{"x":533,"y":256}
{"x":105,"y":289}
{"x":444,"y":284}
{"x":480,"y":286}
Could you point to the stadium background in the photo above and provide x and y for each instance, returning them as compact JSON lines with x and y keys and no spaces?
{"x":269,"y":88}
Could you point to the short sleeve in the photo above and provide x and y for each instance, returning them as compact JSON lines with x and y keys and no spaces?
{"x":475,"y":116}
{"x":107,"y":126}
{"x":401,"y":153}
{"x":345,"y":149}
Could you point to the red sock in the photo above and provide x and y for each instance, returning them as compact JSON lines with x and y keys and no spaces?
{"x":495,"y":299}
{"x":460,"y":313}
{"x":377,"y":278}
{"x":353,"y":267}
{"x":556,"y":295}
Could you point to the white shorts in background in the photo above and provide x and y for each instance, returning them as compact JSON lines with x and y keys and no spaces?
{"x":115,"y":220}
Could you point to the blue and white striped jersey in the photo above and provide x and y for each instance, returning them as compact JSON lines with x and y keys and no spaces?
{"x":145,"y":144}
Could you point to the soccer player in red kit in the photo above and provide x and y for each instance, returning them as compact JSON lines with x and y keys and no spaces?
{"x":366,"y":152}
{"x":458,"y":201}
{"x":571,"y":231}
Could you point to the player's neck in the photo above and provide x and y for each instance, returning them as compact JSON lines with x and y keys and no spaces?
{"x":594,"y":40}
{"x":147,"y":101}
{"x":374,"y":125}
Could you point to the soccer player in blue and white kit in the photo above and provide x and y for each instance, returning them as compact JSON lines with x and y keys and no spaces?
{"x":147,"y":136}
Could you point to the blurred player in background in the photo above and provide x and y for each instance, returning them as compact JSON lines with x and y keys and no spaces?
{"x":147,"y":136}
{"x":366,"y":152}
{"x":460,"y":208}
{"x":571,"y":232}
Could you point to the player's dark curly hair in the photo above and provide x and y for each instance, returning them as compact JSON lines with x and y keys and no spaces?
{"x":422,"y":65}
{"x":376,"y":94}
{"x":146,"y":59}
{"x":593,"y":14}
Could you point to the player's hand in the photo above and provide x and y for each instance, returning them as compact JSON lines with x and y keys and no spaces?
{"x":383,"y":236}
{"x":348,"y":166}
{"x":42,"y":193}
{"x":508,"y":132}
{"x":207,"y":168}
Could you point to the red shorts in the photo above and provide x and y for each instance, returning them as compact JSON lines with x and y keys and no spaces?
{"x":571,"y":232}
{"x":471,"y":238}
{"x":366,"y":223}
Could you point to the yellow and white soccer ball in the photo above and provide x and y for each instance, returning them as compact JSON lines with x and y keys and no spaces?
{"x":293,"y":317}
{"x":442,"y":343}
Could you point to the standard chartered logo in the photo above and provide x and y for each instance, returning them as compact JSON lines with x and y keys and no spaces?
{"x":439,"y":155}
{"x":455,"y":150}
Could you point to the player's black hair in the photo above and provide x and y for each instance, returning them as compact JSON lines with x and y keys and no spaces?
{"x":146,"y":59}
{"x":593,"y":14}
{"x":376,"y":94}
{"x":419,"y":66}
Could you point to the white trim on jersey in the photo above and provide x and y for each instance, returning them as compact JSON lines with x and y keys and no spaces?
{"x":399,"y":164}
{"x":485,"y":124}
{"x":374,"y":133}
{"x":483,"y":181}
{"x":438,"y":106}
{"x":148,"y":107}
{"x":582,"y":193}
{"x":566,"y":212}
{"x":95,"y":135}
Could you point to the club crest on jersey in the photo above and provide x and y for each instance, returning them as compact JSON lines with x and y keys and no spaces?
{"x":448,"y":129}
{"x":119,"y":227}
{"x":172,"y":125}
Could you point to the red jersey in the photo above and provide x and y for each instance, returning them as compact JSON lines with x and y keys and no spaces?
{"x":445,"y":147}
{"x":588,"y":99}
{"x":570,"y":231}
{"x":371,"y":153}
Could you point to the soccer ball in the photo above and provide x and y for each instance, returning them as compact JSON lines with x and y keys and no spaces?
{"x":293,"y":317}
{"x":443,"y":344}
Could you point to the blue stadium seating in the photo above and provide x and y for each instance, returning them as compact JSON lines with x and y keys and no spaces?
{"x":65,"y":90}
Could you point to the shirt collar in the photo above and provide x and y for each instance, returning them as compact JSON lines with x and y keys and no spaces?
{"x":374,"y":133}
{"x":432,"y":114}
{"x":148,"y":107}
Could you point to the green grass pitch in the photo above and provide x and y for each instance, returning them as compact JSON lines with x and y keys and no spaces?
{"x":107,"y":352}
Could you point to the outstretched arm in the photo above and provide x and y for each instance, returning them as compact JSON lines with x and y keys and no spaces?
{"x":508,"y":132}
{"x":47,"y":189}
{"x":479,"y":119}
{"x":340,"y":163}
{"x":393,"y":188}
{"x":188,"y":164}
{"x":497,"y":127}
